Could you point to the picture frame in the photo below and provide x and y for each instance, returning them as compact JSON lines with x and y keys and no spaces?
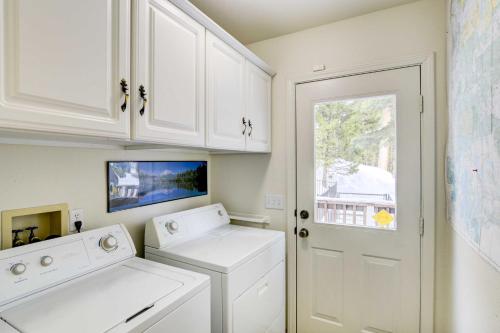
{"x":132,"y":184}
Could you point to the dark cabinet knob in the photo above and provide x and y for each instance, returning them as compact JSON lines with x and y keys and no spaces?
{"x":142,"y":94}
{"x":244,"y":123}
{"x":304,"y":214}
{"x":124,"y":86}
{"x":303,"y":233}
{"x":251,"y":127}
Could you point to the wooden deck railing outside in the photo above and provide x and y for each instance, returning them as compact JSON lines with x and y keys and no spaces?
{"x":354,"y":212}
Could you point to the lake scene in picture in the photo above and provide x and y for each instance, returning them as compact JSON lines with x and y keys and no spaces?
{"x":135,"y":184}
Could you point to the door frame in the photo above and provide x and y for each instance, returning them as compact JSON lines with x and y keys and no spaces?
{"x":428,"y":177}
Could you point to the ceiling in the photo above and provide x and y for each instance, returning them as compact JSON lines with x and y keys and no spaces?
{"x":255,"y":20}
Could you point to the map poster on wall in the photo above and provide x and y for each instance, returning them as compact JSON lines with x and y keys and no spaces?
{"x":473,"y":161}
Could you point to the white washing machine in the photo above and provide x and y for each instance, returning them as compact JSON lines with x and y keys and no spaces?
{"x":92,"y":283}
{"x":246,"y":265}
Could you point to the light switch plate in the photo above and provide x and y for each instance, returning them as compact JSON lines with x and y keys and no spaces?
{"x":275,"y":201}
{"x":319,"y":68}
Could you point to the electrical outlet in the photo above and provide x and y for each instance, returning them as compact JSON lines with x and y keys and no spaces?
{"x":274,"y":201}
{"x":75,"y":215}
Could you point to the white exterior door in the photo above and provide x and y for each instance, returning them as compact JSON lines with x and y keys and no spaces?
{"x":358,"y":177}
{"x":61,"y":66}
{"x":226,"y":123}
{"x":169,"y":63}
{"x":258,"y":109}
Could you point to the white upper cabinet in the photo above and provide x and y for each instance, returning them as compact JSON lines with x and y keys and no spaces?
{"x":61,"y":63}
{"x":225,"y":101}
{"x":258,"y":109}
{"x":169,"y":63}
{"x":69,"y":66}
{"x":238,"y":100}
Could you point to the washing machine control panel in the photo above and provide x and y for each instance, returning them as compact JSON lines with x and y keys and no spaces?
{"x":30,"y":268}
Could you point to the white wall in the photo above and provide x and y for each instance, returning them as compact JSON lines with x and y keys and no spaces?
{"x":417,"y":28}
{"x":467,"y":289}
{"x":36,"y":175}
{"x":468,"y":295}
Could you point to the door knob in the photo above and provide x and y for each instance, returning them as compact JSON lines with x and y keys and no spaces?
{"x":303,"y":233}
{"x":304,"y":214}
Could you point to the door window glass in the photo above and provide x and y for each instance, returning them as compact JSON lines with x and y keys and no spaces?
{"x":355,"y":162}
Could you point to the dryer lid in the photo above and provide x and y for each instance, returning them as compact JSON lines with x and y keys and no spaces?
{"x":222,"y":249}
{"x":93,"y":304}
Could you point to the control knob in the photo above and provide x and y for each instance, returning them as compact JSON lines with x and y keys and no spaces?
{"x":18,"y":269}
{"x":172,"y":227}
{"x":108,"y":243}
{"x":46,"y":261}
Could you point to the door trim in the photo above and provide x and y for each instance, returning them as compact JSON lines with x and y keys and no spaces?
{"x":428,"y":178}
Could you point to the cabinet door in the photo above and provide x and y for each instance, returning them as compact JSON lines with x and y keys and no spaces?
{"x":225,"y":96}
{"x":169,"y":62}
{"x":258,"y":106}
{"x":61,"y":66}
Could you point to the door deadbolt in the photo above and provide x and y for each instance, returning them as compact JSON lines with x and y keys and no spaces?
{"x":304,"y":214}
{"x":303,"y":233}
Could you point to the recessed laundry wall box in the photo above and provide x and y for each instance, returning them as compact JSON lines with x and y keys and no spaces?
{"x":51,"y":220}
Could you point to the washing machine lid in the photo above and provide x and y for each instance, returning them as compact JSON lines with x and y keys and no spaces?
{"x":96,"y":303}
{"x":4,"y":328}
{"x":222,"y":249}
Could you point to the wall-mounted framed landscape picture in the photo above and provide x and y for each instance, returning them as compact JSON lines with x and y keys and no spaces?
{"x":139,"y":183}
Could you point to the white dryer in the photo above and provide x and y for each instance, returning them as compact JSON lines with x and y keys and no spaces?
{"x":92,"y":283}
{"x":246,"y":265}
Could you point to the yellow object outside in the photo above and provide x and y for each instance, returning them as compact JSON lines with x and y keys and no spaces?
{"x":383,"y":217}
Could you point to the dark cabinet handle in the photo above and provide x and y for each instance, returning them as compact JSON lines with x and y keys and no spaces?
{"x":251,"y":127}
{"x":244,"y":122}
{"x":124,"y":85}
{"x":142,"y":93}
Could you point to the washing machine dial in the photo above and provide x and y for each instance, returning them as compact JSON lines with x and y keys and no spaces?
{"x":172,"y":227}
{"x":108,"y":243}
{"x":18,"y":269}
{"x":46,"y":261}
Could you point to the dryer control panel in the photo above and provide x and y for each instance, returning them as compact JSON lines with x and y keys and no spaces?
{"x":31,"y":268}
{"x":171,"y":229}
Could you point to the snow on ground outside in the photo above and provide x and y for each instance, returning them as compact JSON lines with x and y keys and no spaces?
{"x":368,"y":180}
